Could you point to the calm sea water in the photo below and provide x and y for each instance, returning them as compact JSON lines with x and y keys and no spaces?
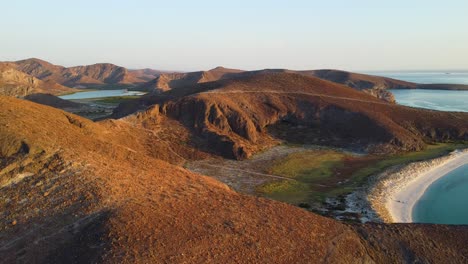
{"x":445,"y":201}
{"x":458,"y":77}
{"x":99,"y":94}
{"x":433,"y":99}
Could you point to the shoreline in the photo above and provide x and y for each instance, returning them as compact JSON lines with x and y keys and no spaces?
{"x":393,"y":193}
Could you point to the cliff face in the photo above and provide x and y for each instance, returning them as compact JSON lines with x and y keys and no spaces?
{"x":18,"y":84}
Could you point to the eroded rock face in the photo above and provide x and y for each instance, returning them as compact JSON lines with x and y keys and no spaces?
{"x":228,"y":126}
{"x":381,"y":94}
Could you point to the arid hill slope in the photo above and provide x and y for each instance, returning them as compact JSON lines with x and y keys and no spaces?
{"x":169,"y":81}
{"x":374,"y":85}
{"x":100,"y":74}
{"x":17,"y":83}
{"x":54,"y":101}
{"x":147,"y":74}
{"x":75,"y":191}
{"x":238,"y":117}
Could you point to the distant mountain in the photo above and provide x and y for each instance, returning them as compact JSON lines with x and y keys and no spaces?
{"x":110,"y":76}
{"x":146,"y":74}
{"x":169,"y":81}
{"x":17,"y":83}
{"x":96,"y":75}
{"x":376,"y":86}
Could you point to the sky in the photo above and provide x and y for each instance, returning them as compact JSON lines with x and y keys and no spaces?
{"x":359,"y":35}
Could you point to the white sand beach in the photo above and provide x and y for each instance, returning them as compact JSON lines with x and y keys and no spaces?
{"x":400,"y":204}
{"x":393,"y":194}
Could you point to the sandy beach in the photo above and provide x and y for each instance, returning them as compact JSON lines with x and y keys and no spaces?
{"x":391,"y":195}
{"x":401,"y":202}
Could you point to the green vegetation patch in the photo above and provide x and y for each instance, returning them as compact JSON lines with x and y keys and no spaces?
{"x":319,"y":174}
{"x":308,"y":166}
{"x":308,"y":169}
{"x":293,"y":192}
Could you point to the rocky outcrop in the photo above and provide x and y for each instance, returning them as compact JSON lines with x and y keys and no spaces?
{"x":380,"y":93}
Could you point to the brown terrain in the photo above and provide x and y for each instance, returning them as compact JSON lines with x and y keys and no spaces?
{"x":374,"y":85}
{"x":169,"y":81}
{"x":238,"y":117}
{"x":75,"y":191}
{"x":97,"y":75}
{"x":16,"y":83}
{"x":56,"y":79}
{"x":115,"y":191}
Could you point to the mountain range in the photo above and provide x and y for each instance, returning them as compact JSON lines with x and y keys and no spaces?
{"x":60,"y":80}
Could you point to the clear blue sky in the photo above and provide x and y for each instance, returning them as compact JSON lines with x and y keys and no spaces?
{"x":191,"y":35}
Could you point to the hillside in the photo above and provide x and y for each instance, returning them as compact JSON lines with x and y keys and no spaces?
{"x":170,"y":81}
{"x":101,"y":74}
{"x":53,"y":101}
{"x":240,"y":116}
{"x":16,"y":83}
{"x":376,"y":86}
{"x":78,"y":192}
{"x":146,"y":74}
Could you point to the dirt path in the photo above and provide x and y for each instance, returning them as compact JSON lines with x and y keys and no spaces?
{"x":250,"y":172}
{"x":246,"y":175}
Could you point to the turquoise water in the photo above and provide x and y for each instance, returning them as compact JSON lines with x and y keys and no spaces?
{"x":458,"y":77}
{"x":99,"y":94}
{"x":442,"y":100}
{"x":445,"y":201}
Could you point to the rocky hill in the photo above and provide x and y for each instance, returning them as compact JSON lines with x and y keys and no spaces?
{"x":237,"y":117}
{"x":16,"y":83}
{"x":106,"y":75}
{"x":169,"y":81}
{"x":374,"y":85}
{"x":74,"y":191}
{"x":101,"y":74}
{"x":146,"y":74}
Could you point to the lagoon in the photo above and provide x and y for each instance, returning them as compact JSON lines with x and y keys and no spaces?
{"x":100,"y":94}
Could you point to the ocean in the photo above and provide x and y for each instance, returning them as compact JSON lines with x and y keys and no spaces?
{"x":427,"y":77}
{"x":440,"y":100}
{"x":444,"y":202}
